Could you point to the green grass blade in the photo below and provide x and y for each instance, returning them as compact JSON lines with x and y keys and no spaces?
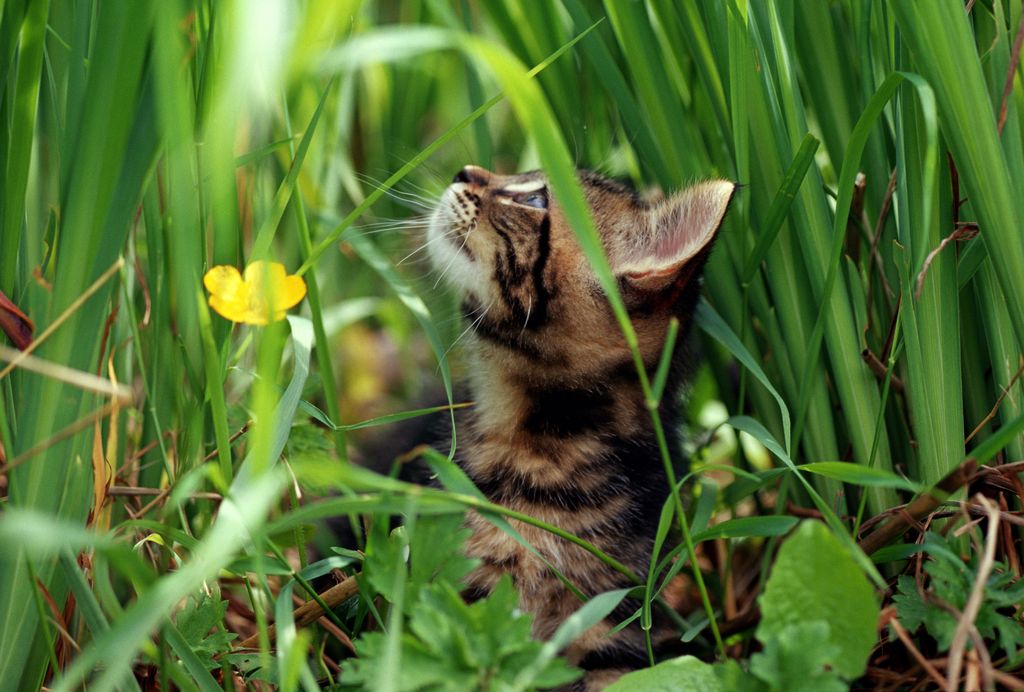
{"x":940,"y":39}
{"x":19,"y":150}
{"x":780,"y":205}
{"x":709,"y":321}
{"x":200,"y":675}
{"x":265,"y":234}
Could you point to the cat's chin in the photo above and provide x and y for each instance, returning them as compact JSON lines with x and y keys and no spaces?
{"x":446,"y":247}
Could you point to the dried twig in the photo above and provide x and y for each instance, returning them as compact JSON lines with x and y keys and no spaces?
{"x":329,"y":627}
{"x":63,"y":434}
{"x":132,"y":491}
{"x":918,"y":509}
{"x":1008,"y":517}
{"x":966,"y":622}
{"x":995,"y":407}
{"x":311,"y":610}
{"x":853,"y":220}
{"x":162,"y":495}
{"x":1008,"y":681}
{"x":925,"y":664}
{"x":965,"y":232}
{"x":879,"y":370}
{"x":876,"y":237}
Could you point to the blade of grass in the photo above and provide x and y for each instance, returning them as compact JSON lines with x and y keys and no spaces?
{"x":777,"y":212}
{"x":323,"y":350}
{"x":24,"y":104}
{"x":940,"y":39}
{"x":265,"y":234}
{"x":709,"y":321}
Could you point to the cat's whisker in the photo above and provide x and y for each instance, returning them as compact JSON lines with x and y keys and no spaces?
{"x":476,"y":323}
{"x":410,"y":221}
{"x":389,"y":229}
{"x":418,"y":224}
{"x":445,"y":236}
{"x":397,"y":223}
{"x":427,"y":193}
{"x":411,"y":199}
{"x":529,"y":308}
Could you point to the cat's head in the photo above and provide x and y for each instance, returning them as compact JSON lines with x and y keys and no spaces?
{"x":505,"y":245}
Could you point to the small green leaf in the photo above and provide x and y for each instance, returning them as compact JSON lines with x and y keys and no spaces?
{"x":950,"y":581}
{"x":195,"y":624}
{"x":382,"y":554}
{"x":435,"y":551}
{"x":892,"y":553}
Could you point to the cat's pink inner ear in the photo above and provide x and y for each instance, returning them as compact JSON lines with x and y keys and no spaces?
{"x":680,"y":228}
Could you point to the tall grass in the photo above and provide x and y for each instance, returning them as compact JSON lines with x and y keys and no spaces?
{"x":144,"y":142}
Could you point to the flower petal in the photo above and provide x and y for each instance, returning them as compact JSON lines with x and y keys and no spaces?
{"x":229,"y":295}
{"x":262,"y":274}
{"x":222,"y":280}
{"x":293,"y":290}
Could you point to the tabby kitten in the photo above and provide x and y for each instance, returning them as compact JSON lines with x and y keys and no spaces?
{"x":559,"y":429}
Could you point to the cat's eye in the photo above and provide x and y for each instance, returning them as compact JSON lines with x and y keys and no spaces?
{"x":536,"y":200}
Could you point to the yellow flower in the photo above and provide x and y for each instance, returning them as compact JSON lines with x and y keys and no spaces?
{"x":260,"y":296}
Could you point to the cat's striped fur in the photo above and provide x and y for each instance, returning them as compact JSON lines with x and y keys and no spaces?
{"x":559,"y":429}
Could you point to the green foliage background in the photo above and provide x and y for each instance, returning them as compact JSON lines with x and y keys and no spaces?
{"x":162,"y":138}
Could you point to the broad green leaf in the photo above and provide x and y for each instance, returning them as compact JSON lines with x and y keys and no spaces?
{"x":814,"y":578}
{"x":684,"y":673}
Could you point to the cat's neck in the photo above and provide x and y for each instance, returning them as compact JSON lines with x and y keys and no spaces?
{"x":553,"y":418}
{"x":520,"y":398}
{"x":580,"y":453}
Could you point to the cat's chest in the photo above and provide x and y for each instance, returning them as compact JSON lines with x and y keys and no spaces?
{"x":541,"y":591}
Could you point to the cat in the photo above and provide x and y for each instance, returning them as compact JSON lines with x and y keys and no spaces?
{"x":559,"y":429}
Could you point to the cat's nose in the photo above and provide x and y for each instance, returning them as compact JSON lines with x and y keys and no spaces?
{"x":474,"y":175}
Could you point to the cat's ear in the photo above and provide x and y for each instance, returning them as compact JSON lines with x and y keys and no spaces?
{"x":679,"y":229}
